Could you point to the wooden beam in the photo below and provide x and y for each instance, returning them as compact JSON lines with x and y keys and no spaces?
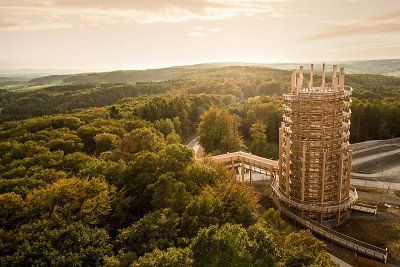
{"x":341,"y":79}
{"x":293,"y":82}
{"x":280,"y":156}
{"x":334,"y":78}
{"x":340,"y":185}
{"x":287,"y":169}
{"x":323,"y":183}
{"x":251,"y":174}
{"x":340,"y":181}
{"x":303,"y":172}
{"x":311,"y":83}
{"x":243,"y":170}
{"x":323,"y":78}
{"x":348,"y":181}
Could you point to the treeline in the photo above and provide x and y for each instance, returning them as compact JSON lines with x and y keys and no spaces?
{"x":105,"y":187}
{"x":65,"y":98}
{"x":374,"y":119}
{"x":242,"y":82}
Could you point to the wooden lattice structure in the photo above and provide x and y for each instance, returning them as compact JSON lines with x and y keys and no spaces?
{"x":314,"y":157}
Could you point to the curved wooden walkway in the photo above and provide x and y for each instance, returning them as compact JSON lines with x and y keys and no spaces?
{"x":337,"y":237}
{"x":243,"y":159}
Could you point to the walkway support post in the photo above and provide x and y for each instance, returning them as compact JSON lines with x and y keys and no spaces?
{"x":280,"y":155}
{"x":243,"y":170}
{"x":323,"y":182}
{"x":340,"y":185}
{"x":287,"y":169}
{"x":251,"y":174}
{"x":349,"y":172}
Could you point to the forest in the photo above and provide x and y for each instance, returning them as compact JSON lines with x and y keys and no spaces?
{"x":98,"y":174}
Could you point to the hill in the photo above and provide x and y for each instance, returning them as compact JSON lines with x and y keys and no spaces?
{"x":19,"y":82}
{"x":384,"y":67}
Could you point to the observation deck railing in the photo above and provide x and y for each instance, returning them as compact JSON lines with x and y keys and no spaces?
{"x":316,"y":207}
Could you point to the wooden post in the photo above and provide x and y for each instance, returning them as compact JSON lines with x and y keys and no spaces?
{"x":287,"y":169}
{"x":243,"y":170}
{"x":310,"y":86}
{"x":303,"y":173}
{"x":301,"y":75}
{"x":271,"y":172}
{"x":349,"y":173}
{"x":303,"y":176}
{"x":323,"y":78}
{"x":299,"y":82}
{"x":340,"y":185}
{"x":323,"y":181}
{"x":341,"y":79}
{"x":280,"y":156}
{"x":340,"y":178}
{"x":293,"y":82}
{"x":334,"y":78}
{"x":251,"y":174}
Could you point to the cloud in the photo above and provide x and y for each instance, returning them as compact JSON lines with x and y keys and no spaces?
{"x":34,"y":14}
{"x":386,"y":23}
{"x":201,"y":31}
{"x":214,"y":30}
{"x":197,"y":34}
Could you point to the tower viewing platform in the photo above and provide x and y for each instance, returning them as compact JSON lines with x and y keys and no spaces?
{"x":314,"y":156}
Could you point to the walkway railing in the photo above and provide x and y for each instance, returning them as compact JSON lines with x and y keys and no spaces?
{"x":327,"y":207}
{"x":247,"y":158}
{"x":335,"y":236}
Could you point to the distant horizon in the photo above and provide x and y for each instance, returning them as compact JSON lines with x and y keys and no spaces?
{"x":77,"y":70}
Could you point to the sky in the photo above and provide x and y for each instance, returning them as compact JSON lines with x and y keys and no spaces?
{"x":139,"y":34}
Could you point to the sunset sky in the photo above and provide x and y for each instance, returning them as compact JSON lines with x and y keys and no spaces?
{"x":137,"y":34}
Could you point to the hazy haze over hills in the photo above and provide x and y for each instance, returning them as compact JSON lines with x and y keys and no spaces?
{"x":32,"y":77}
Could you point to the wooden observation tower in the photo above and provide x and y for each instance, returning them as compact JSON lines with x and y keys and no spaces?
{"x":314,"y":157}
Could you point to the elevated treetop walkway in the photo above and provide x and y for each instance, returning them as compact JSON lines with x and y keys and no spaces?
{"x":335,"y":236}
{"x":246,"y":158}
{"x":241,"y":159}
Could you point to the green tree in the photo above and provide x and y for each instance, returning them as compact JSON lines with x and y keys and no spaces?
{"x":46,"y":243}
{"x":302,"y":249}
{"x":165,"y":126}
{"x":105,"y":142}
{"x":87,"y":133}
{"x":198,"y":175}
{"x":114,"y":113}
{"x":68,"y":143}
{"x":270,"y":88}
{"x":227,"y":202}
{"x":172,"y":257}
{"x":137,"y":179}
{"x":155,"y":230}
{"x":72,"y":200}
{"x":169,"y":193}
{"x":218,"y":131}
{"x":262,"y":246}
{"x":144,"y":139}
{"x":225,"y":246}
{"x":11,"y":207}
{"x":258,"y":134}
{"x":173,"y":138}
{"x":175,"y":158}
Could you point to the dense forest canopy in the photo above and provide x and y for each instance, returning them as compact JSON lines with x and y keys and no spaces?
{"x":97,"y":173}
{"x":252,"y":93}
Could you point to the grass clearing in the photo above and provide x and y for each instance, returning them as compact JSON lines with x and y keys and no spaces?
{"x":385,"y":234}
